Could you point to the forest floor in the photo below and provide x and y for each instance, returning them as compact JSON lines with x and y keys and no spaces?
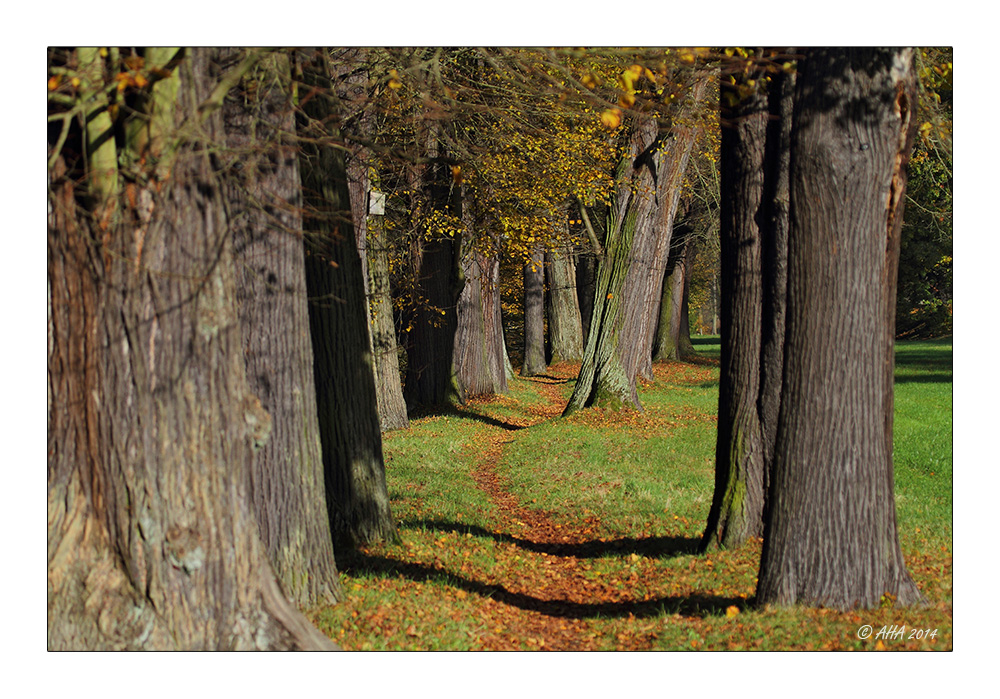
{"x":524,"y":530}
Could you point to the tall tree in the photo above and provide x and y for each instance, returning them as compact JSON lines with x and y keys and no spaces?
{"x":831,"y":537}
{"x":479,"y":353}
{"x":352,"y":82}
{"x":650,"y":252}
{"x":265,"y":213}
{"x":436,"y":273}
{"x":673,"y":335}
{"x":630,"y":272}
{"x":152,"y":540}
{"x":357,"y":498}
{"x":562,"y":304}
{"x":534,"y":314}
{"x":754,"y":154}
{"x":603,"y":379}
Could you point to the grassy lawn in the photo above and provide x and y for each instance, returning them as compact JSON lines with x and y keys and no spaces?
{"x":525,"y":530}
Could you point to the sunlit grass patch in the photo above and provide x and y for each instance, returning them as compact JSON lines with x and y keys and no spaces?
{"x":631,"y":490}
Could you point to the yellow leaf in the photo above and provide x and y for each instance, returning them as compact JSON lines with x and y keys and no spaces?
{"x":611,"y":118}
{"x":54,"y":82}
{"x":732,"y":611}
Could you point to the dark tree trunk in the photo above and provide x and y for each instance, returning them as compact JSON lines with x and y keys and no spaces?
{"x":436,"y":273}
{"x":264,"y":204}
{"x":351,"y":82}
{"x":345,"y":386}
{"x":152,"y":538}
{"x":565,"y":328}
{"x":586,"y":276}
{"x":738,"y":505}
{"x":534,"y":315}
{"x":774,"y":251}
{"x":753,"y":236}
{"x":831,"y":534}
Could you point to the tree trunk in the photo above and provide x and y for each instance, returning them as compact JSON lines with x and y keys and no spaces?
{"x":264,"y":204}
{"x":388,"y":388}
{"x":565,"y":328}
{"x":673,"y":334}
{"x":651,"y":247}
{"x":345,"y":386}
{"x":534,"y":315}
{"x":351,"y":82}
{"x":152,"y":539}
{"x":738,"y":504}
{"x":436,"y":272}
{"x":479,"y":353}
{"x":831,"y":536}
{"x":603,"y":379}
{"x":774,"y":251}
{"x":630,"y":275}
{"x":586,"y":277}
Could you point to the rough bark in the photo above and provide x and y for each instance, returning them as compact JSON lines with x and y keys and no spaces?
{"x":534,"y":315}
{"x":388,"y":387}
{"x":831,"y":534}
{"x":774,"y":252}
{"x":651,"y":246}
{"x":264,"y":205}
{"x":565,"y":326}
{"x":603,"y":379}
{"x":354,"y":470}
{"x":152,"y":540}
{"x":673,"y":333}
{"x":351,"y":81}
{"x":436,"y":273}
{"x":738,"y":504}
{"x":479,"y":353}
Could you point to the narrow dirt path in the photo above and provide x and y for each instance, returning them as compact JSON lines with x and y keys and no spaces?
{"x":552,"y":596}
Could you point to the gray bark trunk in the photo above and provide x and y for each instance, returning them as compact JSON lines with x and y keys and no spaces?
{"x":565,"y":326}
{"x":152,"y":539}
{"x":264,"y":204}
{"x":831,"y":535}
{"x":534,"y":315}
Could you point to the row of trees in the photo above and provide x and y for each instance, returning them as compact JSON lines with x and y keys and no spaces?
{"x":224,"y":314}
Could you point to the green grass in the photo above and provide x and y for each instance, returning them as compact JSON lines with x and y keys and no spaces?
{"x":635,"y":489}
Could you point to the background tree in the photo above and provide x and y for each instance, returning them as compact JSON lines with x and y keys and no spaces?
{"x":831,"y":538}
{"x":354,"y":470}
{"x":623,"y":316}
{"x":562,"y":302}
{"x":152,"y":540}
{"x":352,"y":69}
{"x":923,"y":301}
{"x":534,"y":315}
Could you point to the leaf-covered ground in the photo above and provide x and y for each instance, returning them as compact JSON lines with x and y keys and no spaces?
{"x":523,"y":530}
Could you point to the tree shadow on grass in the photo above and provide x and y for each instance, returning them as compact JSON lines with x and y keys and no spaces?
{"x":649,"y":547}
{"x":361,"y":564}
{"x":452,"y":411}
